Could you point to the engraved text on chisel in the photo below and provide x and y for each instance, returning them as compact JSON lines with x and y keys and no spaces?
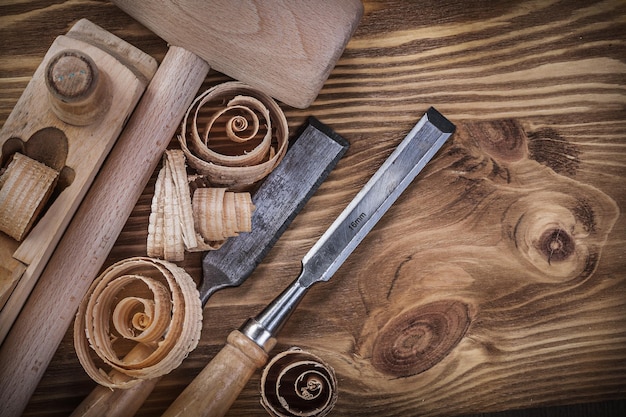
{"x":357,"y":221}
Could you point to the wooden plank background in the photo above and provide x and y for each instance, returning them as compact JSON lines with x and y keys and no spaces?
{"x":503,"y":265}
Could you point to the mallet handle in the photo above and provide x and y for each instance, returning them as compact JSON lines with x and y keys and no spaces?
{"x":118,"y":402}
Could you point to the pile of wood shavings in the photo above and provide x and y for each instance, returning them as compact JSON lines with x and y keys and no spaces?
{"x":202,"y":219}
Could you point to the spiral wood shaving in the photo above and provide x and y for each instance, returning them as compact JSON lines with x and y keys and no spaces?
{"x":220,"y":214}
{"x":251,"y":118}
{"x":25,"y":187}
{"x":298,"y":383}
{"x":159,"y":323}
{"x":178,"y":223}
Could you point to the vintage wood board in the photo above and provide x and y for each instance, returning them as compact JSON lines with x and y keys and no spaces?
{"x":510,"y":248}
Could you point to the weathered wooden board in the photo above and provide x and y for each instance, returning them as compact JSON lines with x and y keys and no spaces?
{"x":503,"y":266}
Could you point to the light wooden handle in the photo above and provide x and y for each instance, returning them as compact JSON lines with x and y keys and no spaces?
{"x":103,"y":401}
{"x":118,"y":402}
{"x":218,"y":385}
{"x":42,"y":323}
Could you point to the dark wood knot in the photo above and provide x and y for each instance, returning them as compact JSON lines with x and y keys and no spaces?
{"x":549,"y":148}
{"x":419,"y":338}
{"x":503,"y":140}
{"x":556,"y":245}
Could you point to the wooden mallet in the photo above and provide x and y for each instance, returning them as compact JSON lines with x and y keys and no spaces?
{"x":284,"y":48}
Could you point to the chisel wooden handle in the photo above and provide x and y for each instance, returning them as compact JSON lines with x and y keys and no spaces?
{"x":218,"y":385}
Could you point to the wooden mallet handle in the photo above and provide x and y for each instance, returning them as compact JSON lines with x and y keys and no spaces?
{"x":117,"y":402}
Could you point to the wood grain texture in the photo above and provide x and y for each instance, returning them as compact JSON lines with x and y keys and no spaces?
{"x":256,"y":41}
{"x":90,"y":236}
{"x":506,"y":257}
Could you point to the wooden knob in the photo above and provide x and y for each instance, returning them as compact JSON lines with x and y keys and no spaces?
{"x":77,"y":89}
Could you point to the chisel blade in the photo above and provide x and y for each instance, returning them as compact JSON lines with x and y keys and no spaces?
{"x":278,"y":200}
{"x":375,"y":198}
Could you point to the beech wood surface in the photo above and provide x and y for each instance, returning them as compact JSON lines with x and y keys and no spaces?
{"x":254,"y":41}
{"x":99,"y":220}
{"x":502,"y":267}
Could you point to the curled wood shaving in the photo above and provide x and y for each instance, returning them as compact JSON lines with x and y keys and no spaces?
{"x":251,"y":117}
{"x":243,"y":118}
{"x":146,"y":306}
{"x":25,"y":187}
{"x":220,"y":214}
{"x":298,"y":383}
{"x":176,"y":224}
{"x":170,"y":228}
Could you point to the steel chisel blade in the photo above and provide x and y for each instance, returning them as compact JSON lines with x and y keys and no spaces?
{"x":375,"y":198}
{"x":278,"y":200}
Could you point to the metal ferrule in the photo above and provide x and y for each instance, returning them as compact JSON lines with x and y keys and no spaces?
{"x":268,"y":323}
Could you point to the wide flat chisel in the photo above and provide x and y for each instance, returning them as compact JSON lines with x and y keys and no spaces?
{"x":277,"y":202}
{"x":309,"y":160}
{"x":217,"y":386}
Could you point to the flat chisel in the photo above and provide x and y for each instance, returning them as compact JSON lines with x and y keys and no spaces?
{"x":278,"y":200}
{"x":217,"y":386}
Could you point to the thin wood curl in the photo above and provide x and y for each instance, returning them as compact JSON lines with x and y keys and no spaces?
{"x":297,"y":383}
{"x":251,"y":109}
{"x":164,"y":316}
